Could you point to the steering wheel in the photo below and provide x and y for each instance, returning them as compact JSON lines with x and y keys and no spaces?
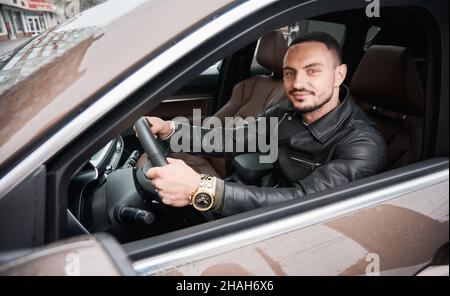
{"x":157,"y":159}
{"x":154,"y":155}
{"x":149,"y":143}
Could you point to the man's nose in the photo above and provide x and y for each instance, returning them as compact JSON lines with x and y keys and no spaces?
{"x":299,"y":81}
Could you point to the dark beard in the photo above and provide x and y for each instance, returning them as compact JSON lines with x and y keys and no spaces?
{"x":314,"y":108}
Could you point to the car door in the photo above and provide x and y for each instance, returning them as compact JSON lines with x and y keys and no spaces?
{"x":395,"y":230}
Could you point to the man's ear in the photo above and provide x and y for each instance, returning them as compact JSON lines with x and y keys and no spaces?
{"x":340,"y":73}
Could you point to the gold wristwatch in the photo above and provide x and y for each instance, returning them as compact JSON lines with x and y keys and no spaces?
{"x":203,"y":198}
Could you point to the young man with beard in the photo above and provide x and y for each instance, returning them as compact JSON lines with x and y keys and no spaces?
{"x":324,"y":139}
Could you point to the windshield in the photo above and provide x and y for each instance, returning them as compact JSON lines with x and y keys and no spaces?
{"x":36,"y":32}
{"x":65,"y":69}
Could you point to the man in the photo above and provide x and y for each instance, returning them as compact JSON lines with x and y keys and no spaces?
{"x":324,"y":139}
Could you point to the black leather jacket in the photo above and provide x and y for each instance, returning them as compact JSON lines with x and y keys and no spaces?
{"x":342,"y":146}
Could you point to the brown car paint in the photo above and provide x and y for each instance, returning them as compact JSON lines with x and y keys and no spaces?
{"x":404,"y":232}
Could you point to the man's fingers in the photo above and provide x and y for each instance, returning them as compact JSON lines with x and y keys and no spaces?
{"x":153,"y":127}
{"x":171,"y":160}
{"x":152,"y":173}
{"x":156,"y":184}
{"x":166,"y":200}
{"x":174,"y":160}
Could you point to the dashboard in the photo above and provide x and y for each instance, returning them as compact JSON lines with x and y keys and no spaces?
{"x":93,"y":174}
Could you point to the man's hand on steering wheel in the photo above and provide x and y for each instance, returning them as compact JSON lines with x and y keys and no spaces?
{"x":175,"y":182}
{"x":159,"y":127}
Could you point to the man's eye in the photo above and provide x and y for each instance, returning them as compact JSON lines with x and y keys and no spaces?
{"x":314,"y":71}
{"x":288,"y":74}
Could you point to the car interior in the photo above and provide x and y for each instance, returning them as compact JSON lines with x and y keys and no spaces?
{"x":391,"y":76}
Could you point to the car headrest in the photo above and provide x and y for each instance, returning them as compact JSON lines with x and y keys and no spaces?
{"x":271,"y":51}
{"x":387,"y":77}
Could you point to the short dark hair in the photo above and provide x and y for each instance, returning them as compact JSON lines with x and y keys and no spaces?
{"x":323,"y":38}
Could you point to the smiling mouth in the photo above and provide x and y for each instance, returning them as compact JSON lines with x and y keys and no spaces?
{"x":301,"y":95}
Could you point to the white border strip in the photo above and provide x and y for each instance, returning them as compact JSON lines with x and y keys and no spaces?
{"x":122,"y":91}
{"x":191,"y":254}
{"x":186,"y":99}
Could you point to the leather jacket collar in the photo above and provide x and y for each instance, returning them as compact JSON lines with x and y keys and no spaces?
{"x":323,"y":128}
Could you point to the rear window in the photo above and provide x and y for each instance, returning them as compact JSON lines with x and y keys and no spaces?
{"x":338,"y":31}
{"x":290,"y":32}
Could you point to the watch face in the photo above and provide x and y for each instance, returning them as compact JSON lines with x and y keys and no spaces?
{"x":202,"y":201}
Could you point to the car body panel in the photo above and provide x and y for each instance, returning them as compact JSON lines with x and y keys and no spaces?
{"x":391,"y":234}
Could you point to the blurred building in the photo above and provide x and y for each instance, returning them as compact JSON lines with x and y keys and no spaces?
{"x":24,"y":18}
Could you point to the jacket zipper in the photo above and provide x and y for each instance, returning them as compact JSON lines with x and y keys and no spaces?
{"x":312,"y":164}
